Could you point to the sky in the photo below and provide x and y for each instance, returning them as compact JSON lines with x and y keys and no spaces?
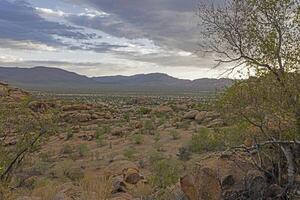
{"x":104,"y":37}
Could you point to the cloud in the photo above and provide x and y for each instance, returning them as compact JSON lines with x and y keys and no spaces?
{"x":50,"y":12}
{"x":25,"y":45}
{"x":20,"y":22}
{"x":168,"y":22}
{"x":10,"y":59}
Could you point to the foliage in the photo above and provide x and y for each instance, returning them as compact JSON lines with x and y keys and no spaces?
{"x":95,"y":187}
{"x":206,"y":140}
{"x":166,"y":172}
{"x":130,"y":153}
{"x":184,"y":153}
{"x":174,"y":134}
{"x":67,"y":149}
{"x":149,"y":126}
{"x":127,"y":116}
{"x":144,"y":110}
{"x":157,"y":137}
{"x":263,"y":37}
{"x":83,"y":150}
{"x":138,"y":138}
{"x":29,"y":129}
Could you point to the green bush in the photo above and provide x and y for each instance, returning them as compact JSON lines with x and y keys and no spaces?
{"x":157,"y":137}
{"x":100,"y":141}
{"x":69,"y":135}
{"x":206,"y":140}
{"x":149,"y":126}
{"x":130,"y":153}
{"x":67,"y":149}
{"x":174,"y":134}
{"x":184,"y":153}
{"x":83,"y":150}
{"x":144,"y":110}
{"x":166,"y":172}
{"x":127,"y":117}
{"x":138,"y":138}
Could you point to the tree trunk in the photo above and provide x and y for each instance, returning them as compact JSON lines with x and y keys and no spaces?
{"x":288,"y":153}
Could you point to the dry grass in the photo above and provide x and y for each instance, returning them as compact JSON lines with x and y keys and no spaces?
{"x":95,"y":187}
{"x":46,"y":191}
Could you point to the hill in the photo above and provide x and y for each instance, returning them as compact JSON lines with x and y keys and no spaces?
{"x":59,"y":80}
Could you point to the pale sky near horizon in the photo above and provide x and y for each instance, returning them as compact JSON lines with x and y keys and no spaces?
{"x":104,"y":37}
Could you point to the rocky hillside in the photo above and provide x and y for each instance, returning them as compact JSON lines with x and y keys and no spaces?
{"x":134,"y":149}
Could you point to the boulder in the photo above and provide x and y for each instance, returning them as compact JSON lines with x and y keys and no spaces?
{"x":219,"y":176}
{"x":209,"y":118}
{"x":200,"y":116}
{"x":191,"y":114}
{"x":162,"y":109}
{"x":132,"y":175}
{"x":215,"y":123}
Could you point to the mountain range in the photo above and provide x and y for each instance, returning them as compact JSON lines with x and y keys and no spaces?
{"x":59,"y":80}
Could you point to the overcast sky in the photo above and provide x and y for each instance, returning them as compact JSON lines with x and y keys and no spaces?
{"x":104,"y":37}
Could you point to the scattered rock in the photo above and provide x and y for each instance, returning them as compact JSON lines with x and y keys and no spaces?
{"x":132,"y":175}
{"x":215,"y":123}
{"x":162,"y":109}
{"x":119,"y":131}
{"x":76,"y":107}
{"x":191,"y":114}
{"x":37,"y":106}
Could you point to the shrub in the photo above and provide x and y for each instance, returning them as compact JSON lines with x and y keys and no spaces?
{"x":149,"y":126}
{"x":127,"y":117}
{"x":157,"y":137}
{"x":183,"y":125}
{"x":105,"y":129}
{"x":130,"y":153}
{"x":184,"y":153}
{"x":67,"y":149}
{"x":138,"y":138}
{"x":95,"y":187}
{"x":175,"y":134}
{"x":144,"y":110}
{"x":100,"y":141}
{"x":83,"y":150}
{"x":46,"y":190}
{"x":166,"y":172}
{"x":74,"y":173}
{"x":206,"y":140}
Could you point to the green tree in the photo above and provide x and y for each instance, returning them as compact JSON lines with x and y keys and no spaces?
{"x":27,"y":128}
{"x":263,"y":37}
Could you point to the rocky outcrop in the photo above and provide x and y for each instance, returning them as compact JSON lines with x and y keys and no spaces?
{"x":227,"y":177}
{"x":126,"y":175}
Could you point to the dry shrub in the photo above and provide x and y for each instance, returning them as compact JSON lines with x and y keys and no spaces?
{"x":47,"y":191}
{"x":95,"y":187}
{"x":142,"y":191}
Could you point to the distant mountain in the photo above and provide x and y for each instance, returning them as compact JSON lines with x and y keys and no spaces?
{"x":59,"y":80}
